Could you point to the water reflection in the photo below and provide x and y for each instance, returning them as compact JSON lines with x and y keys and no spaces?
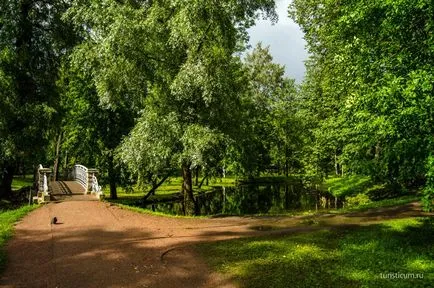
{"x":256,"y":199}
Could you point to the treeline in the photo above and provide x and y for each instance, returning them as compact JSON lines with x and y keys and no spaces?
{"x":368,"y":92}
{"x":144,"y":90}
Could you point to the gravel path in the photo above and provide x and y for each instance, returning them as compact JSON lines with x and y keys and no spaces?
{"x":99,"y":245}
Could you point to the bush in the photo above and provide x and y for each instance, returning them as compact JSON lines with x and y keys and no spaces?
{"x":428,"y":191}
{"x":358,"y":200}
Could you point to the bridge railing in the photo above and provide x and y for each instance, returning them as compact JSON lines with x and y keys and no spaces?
{"x":44,"y":185}
{"x":87,"y":178}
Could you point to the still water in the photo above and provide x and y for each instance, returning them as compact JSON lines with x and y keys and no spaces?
{"x":256,"y":199}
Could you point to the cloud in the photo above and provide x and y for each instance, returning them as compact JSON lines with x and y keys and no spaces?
{"x":285,"y":39}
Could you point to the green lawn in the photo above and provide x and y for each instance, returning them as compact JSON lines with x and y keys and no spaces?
{"x":351,"y":185}
{"x":7,"y":221}
{"x":169,"y":188}
{"x":20,"y":182}
{"x":380,"y":203}
{"x":348,"y":257}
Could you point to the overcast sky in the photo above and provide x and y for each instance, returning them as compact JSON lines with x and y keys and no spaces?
{"x":285,"y":40}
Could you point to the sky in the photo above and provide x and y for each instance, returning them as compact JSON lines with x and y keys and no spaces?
{"x":285,"y":39}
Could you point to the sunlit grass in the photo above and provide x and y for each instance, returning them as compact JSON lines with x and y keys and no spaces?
{"x":20,"y":182}
{"x":351,"y":257}
{"x":170,"y":187}
{"x":350,"y":185}
{"x":380,"y":204}
{"x":154,"y":213}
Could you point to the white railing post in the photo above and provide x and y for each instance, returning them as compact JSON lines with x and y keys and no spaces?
{"x":79,"y":172}
{"x":87,"y":178}
{"x":44,"y":184}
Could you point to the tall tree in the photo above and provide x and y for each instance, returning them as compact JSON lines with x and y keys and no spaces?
{"x":33,"y":39}
{"x":270,"y":115}
{"x":105,"y":81}
{"x":196,"y":79}
{"x":370,"y":76}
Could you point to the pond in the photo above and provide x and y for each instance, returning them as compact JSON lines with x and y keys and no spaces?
{"x":266,"y":198}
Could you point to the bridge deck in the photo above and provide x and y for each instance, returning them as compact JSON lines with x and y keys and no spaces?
{"x":69,"y":191}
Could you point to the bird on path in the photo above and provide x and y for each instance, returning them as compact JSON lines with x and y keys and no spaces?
{"x":54,"y":220}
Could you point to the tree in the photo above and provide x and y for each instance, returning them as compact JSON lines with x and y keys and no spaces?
{"x":370,"y":76}
{"x":33,"y":39}
{"x":196,"y":78}
{"x":106,"y":81}
{"x":271,"y":129}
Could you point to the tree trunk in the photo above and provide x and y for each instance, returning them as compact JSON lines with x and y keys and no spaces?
{"x":337,"y":168}
{"x":187,"y":190}
{"x":197,"y":175}
{"x":155,"y":186}
{"x":57,"y":158}
{"x":286,"y":161}
{"x":35,"y":185}
{"x":6,"y":182}
{"x":112,"y":178}
{"x":65,"y":167}
{"x":203,"y":180}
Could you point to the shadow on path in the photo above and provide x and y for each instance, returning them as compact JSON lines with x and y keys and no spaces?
{"x":99,"y":245}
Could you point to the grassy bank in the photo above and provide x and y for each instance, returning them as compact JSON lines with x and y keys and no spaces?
{"x":168,"y":190}
{"x":355,"y":190}
{"x":19,"y":182}
{"x":402,"y":200}
{"x":398,"y":201}
{"x":7,"y":220}
{"x":348,"y":257}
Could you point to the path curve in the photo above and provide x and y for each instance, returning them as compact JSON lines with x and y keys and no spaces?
{"x":96,"y":244}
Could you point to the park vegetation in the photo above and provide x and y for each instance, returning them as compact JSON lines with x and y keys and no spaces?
{"x":148,"y":90}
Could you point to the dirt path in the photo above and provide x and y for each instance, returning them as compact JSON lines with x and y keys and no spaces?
{"x":98,"y":245}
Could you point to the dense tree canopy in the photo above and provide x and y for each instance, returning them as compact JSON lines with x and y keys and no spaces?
{"x":197,"y":91}
{"x":370,"y":84}
{"x":149,"y":89}
{"x":33,"y":39}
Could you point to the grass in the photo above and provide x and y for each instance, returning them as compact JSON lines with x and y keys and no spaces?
{"x":168,"y":190}
{"x":351,"y":185}
{"x":7,"y":220}
{"x":380,"y":203}
{"x":348,"y":257}
{"x":342,"y":186}
{"x":154,"y":213}
{"x":271,"y":179}
{"x":174,"y":184}
{"x":20,"y":182}
{"x":360,"y":208}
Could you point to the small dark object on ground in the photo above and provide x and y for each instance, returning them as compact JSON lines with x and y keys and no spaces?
{"x":54,"y":220}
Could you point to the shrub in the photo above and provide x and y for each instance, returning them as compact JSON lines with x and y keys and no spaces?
{"x":358,"y":200}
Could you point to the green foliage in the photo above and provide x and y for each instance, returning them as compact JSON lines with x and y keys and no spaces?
{"x":341,"y":258}
{"x":30,"y":55}
{"x":349,"y":185}
{"x":152,"y":146}
{"x":20,"y":182}
{"x":194,"y":81}
{"x":358,"y":200}
{"x":104,"y":84}
{"x":428,"y":191}
{"x":397,"y":201}
{"x":368,"y":89}
{"x":270,"y":134}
